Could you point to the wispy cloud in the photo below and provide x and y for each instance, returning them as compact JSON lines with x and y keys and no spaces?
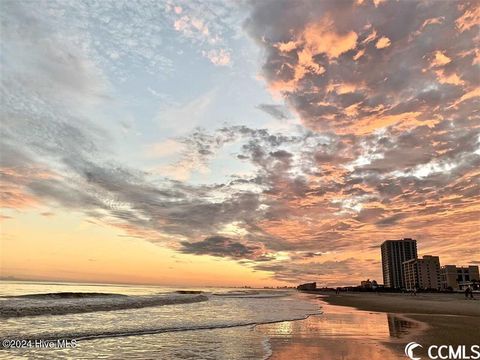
{"x":389,"y":145}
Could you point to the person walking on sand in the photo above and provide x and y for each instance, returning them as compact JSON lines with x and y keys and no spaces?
{"x":471,"y":292}
{"x":467,"y":292}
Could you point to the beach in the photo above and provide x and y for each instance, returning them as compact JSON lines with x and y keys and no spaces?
{"x":341,"y":333}
{"x":135,"y":322}
{"x":372,"y":326}
{"x":422,"y":303}
{"x":449,"y":318}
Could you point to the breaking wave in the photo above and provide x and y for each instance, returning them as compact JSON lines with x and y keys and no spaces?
{"x":158,"y":330}
{"x":251,"y":294}
{"x":74,"y":303}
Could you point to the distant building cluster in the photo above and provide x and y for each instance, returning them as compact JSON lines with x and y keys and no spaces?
{"x":308,"y":286}
{"x":367,"y":284}
{"x":403,"y":269}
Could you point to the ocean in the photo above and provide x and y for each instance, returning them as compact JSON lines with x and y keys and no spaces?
{"x":144,"y":322}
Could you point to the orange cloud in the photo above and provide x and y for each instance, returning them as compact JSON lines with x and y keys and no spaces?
{"x":370,"y":37}
{"x":369,"y":124}
{"x":15,"y":198}
{"x":359,"y":54}
{"x":286,"y":47}
{"x":475,"y":53}
{"x":432,"y":21}
{"x":13,"y":192}
{"x":343,"y":88}
{"x":452,"y":79}
{"x":377,"y":3}
{"x":318,"y":38}
{"x":469,"y":19}
{"x":383,"y":42}
{"x":440,"y":59}
{"x":322,"y":38}
{"x":467,"y":96}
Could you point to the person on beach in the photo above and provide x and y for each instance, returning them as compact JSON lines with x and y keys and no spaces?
{"x":467,"y":292}
{"x":470,"y":292}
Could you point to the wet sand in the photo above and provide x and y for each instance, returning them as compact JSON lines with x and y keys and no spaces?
{"x":370,"y":326}
{"x":442,"y":304}
{"x":450,"y":319}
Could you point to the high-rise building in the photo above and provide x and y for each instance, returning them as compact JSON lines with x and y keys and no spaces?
{"x":422,"y":273}
{"x":394,"y":254}
{"x":458,"y":277}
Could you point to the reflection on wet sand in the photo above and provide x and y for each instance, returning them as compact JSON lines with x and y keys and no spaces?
{"x":340,"y":333}
{"x":399,"y":326}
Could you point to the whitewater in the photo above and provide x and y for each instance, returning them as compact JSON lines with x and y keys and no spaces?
{"x":106,"y":319}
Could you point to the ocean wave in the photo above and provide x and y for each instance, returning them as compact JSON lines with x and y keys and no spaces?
{"x":64,"y":295}
{"x":252,"y":294}
{"x":186,"y":328}
{"x":79,"y":336}
{"x":73,"y":303}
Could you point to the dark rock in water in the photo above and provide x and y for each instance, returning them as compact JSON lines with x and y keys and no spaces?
{"x":189,"y":292}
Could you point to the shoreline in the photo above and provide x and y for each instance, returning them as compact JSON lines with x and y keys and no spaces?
{"x":432,"y":304}
{"x":367,"y":325}
{"x":449,"y":318}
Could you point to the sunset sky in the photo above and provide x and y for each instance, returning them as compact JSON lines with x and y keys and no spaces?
{"x":236,"y":143}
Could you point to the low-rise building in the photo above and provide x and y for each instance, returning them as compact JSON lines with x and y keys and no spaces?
{"x":367,"y":284}
{"x":307,"y":286}
{"x":422,"y":273}
{"x":458,"y":277}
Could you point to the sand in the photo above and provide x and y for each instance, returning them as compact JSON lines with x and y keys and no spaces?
{"x":442,"y":304}
{"x":450,"y":319}
{"x":370,"y":326}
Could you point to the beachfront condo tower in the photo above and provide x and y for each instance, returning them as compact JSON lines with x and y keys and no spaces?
{"x":422,"y":273}
{"x":394,"y":254}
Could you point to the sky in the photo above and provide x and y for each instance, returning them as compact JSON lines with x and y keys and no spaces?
{"x":236,"y":143}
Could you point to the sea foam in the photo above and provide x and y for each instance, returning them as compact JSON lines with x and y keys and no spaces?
{"x":72,"y":303}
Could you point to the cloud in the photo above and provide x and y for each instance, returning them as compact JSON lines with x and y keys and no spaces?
{"x":182,"y":118}
{"x":396,"y":98}
{"x":223,"y":247}
{"x":318,"y":49}
{"x":470,"y":16}
{"x":383,"y":42}
{"x":164,"y":149}
{"x":389,"y":145}
{"x":220,"y":57}
{"x":45,"y":65}
{"x":206,"y":24}
{"x":329,"y":271}
{"x":279,"y":112}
